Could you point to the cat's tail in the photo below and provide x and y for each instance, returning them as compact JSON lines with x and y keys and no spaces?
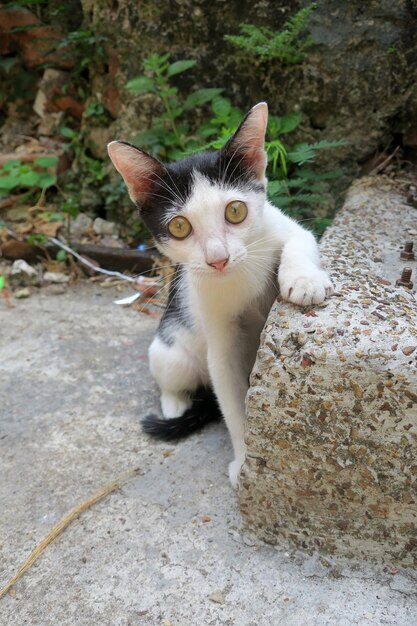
{"x":204,"y":409}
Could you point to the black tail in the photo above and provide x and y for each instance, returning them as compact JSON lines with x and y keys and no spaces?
{"x":204,"y":409}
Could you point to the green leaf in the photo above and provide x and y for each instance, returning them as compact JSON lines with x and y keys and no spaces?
{"x":150,"y":136}
{"x":67,"y":132}
{"x":180,"y":66}
{"x":276,"y":186}
{"x":29,"y":179}
{"x":46,"y":161}
{"x":140,"y":84}
{"x":37,"y":240}
{"x":11,"y":165}
{"x":310,"y":175}
{"x":46,"y":180}
{"x":8,"y":182}
{"x":201,"y":96}
{"x":61,"y":255}
{"x":290,"y":122}
{"x":50,"y":216}
{"x":7,"y":63}
{"x":221,"y":106}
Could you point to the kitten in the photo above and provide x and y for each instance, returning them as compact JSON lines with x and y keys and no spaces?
{"x":233,"y":252}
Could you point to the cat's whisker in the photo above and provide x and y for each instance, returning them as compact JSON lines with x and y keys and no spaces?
{"x":164,"y":185}
{"x":175,"y":185}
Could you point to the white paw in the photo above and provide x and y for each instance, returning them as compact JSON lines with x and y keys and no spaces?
{"x":304,"y":287}
{"x":174,"y":405}
{"x":234,"y":470}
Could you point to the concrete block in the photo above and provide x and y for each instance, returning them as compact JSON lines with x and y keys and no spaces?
{"x":332,"y":407}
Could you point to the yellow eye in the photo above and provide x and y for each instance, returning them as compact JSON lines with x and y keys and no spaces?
{"x":236,"y":212}
{"x":179,"y":227}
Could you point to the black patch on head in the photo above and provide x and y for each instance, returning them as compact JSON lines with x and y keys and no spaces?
{"x":173,"y":187}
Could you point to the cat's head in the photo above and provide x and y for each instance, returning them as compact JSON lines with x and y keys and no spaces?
{"x":205,"y":210}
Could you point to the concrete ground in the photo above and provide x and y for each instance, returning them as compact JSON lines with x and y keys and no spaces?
{"x":166,"y":549}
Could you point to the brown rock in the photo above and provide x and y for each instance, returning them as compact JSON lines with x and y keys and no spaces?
{"x":35,"y":42}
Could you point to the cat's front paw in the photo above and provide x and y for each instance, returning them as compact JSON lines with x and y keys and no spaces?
{"x":304,"y":287}
{"x":234,"y":470}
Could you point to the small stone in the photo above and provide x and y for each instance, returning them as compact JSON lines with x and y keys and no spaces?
{"x":312,"y":566}
{"x":403,"y":584}
{"x":55,"y":277}
{"x":103,"y":227}
{"x":79,"y":225}
{"x":408,"y":350}
{"x":22,"y":274}
{"x":22,"y":293}
{"x":301,"y":338}
{"x":111,"y":242}
{"x":217,"y":597}
{"x":56,"y":290}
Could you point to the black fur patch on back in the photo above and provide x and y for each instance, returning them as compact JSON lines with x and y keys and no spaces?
{"x":176,"y":313}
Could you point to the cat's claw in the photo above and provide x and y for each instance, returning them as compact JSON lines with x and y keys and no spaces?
{"x":304,"y":289}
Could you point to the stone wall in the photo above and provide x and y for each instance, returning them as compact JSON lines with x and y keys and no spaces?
{"x":332,"y":407}
{"x":357,"y":82}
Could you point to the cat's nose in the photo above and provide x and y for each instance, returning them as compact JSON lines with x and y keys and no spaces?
{"x":220,"y":264}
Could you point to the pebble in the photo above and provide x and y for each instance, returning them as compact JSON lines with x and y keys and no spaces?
{"x":22,"y":293}
{"x":22,"y":274}
{"x":56,"y":289}
{"x":103,"y":227}
{"x":80,"y":224}
{"x":217,"y":597}
{"x":55,"y":277}
{"x":403,"y":584}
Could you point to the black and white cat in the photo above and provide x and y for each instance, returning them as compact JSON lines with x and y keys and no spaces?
{"x":233,"y":252}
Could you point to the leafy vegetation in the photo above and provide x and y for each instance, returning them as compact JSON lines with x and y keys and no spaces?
{"x":170,"y":135}
{"x":18,"y":176}
{"x":286,"y":46}
{"x":186,"y":121}
{"x":292,"y":186}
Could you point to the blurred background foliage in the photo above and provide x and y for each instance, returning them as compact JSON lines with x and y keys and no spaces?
{"x":175,"y":77}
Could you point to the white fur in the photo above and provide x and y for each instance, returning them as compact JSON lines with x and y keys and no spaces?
{"x":229,"y":308}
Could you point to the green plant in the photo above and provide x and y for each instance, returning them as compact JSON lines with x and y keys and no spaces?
{"x":287,"y":45}
{"x":292,"y":186}
{"x":15,"y":175}
{"x":84,"y":47}
{"x":170,"y":135}
{"x":297,"y":189}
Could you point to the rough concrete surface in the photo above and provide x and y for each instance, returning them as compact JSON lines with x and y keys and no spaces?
{"x":74,"y":382}
{"x":332,"y":409}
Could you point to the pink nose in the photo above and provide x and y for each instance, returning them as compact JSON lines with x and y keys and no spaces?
{"x":220,"y":264}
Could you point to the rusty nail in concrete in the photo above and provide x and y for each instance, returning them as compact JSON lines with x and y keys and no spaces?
{"x":407,"y":254}
{"x":405,"y":281}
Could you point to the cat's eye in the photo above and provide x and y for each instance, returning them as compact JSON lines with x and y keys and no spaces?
{"x":236,"y":212}
{"x":179,"y":227}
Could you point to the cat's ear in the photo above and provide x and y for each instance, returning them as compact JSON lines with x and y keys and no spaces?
{"x":138,"y":169}
{"x":248,"y":141}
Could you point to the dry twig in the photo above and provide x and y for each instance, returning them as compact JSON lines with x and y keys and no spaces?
{"x":66,"y":521}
